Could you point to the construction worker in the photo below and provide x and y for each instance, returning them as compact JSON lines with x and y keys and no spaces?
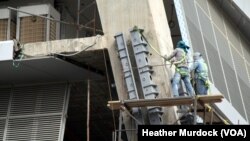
{"x":179,"y":59}
{"x":200,"y":74}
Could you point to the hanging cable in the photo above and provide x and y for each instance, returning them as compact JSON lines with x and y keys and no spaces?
{"x":84,"y":49}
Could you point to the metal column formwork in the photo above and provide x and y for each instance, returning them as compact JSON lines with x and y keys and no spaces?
{"x":128,"y":74}
{"x":149,"y":88}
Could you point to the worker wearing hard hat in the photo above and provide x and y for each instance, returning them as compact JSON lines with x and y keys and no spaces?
{"x":200,"y":74}
{"x":179,"y":59}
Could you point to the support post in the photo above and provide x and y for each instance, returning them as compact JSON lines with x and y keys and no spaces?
{"x":195,"y":109}
{"x":204,"y":114}
{"x":120,"y":127}
{"x":88,"y":109}
{"x":212,"y":117}
{"x":78,"y":18}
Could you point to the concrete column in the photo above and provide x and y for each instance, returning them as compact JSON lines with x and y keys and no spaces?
{"x":123,"y":15}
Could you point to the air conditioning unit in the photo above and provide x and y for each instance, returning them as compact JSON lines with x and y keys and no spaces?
{"x":37,"y":29}
{"x":7,"y":24}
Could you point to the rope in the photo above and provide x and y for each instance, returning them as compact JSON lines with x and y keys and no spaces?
{"x":151,"y":46}
{"x":209,"y":88}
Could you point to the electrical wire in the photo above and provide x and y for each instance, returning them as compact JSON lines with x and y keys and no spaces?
{"x":68,"y":55}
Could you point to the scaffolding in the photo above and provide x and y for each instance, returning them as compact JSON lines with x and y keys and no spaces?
{"x":198,"y":104}
{"x":90,"y":21}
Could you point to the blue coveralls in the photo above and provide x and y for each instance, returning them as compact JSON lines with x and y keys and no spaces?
{"x":200,"y":76}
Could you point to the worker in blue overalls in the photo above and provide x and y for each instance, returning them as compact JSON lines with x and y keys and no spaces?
{"x":200,"y":74}
{"x":179,"y":59}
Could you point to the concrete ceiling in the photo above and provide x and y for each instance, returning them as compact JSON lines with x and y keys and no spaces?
{"x":39,"y":70}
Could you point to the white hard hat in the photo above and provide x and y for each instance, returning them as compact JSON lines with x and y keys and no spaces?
{"x":197,"y":55}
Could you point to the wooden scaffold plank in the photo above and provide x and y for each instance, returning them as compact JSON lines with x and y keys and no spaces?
{"x":115,"y":105}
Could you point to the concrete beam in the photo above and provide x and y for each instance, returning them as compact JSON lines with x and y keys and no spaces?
{"x":63,"y":46}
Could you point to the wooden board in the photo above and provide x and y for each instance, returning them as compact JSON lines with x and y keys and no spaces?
{"x":210,"y":98}
{"x":115,"y":105}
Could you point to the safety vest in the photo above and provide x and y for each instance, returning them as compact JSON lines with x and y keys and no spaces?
{"x":181,"y":71}
{"x":203,"y":75}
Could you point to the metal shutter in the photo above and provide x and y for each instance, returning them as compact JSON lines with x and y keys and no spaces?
{"x":2,"y":125}
{"x":4,"y":103}
{"x":33,"y":113}
{"x":38,"y":128}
